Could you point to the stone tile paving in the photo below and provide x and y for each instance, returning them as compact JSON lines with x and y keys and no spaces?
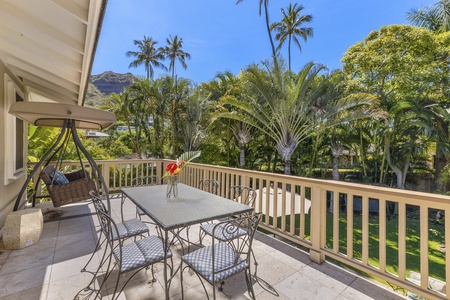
{"x":50,"y":269}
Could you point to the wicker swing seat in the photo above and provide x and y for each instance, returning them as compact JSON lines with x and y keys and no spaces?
{"x":76,"y":190}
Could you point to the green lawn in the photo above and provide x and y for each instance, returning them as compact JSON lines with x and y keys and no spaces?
{"x":436,"y":257}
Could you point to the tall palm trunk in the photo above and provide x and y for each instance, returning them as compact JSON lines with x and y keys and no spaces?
{"x":242,"y":156}
{"x":287,"y":165}
{"x":266,"y":11}
{"x":336,"y":151}
{"x":399,"y":173}
{"x":289,"y":53}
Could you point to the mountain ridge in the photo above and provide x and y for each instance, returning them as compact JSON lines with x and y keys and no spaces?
{"x":103,"y":84}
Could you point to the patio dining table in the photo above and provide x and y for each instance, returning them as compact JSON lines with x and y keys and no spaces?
{"x":193,"y":206}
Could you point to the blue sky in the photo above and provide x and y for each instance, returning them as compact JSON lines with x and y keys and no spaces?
{"x":222,"y":36}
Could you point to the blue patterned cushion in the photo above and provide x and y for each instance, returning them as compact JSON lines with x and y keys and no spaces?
{"x":201,"y":261}
{"x":60,"y":178}
{"x":141,"y":253}
{"x":221,"y":232}
{"x":130,"y":228}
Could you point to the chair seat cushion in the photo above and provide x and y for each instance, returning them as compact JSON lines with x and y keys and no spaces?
{"x":130,"y":228}
{"x":224,"y":231}
{"x":140,"y":212}
{"x":141,"y":253}
{"x":226,"y":262}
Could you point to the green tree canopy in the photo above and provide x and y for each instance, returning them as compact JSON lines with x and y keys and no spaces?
{"x":402,"y":65}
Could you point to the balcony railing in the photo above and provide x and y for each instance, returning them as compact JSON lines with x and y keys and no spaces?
{"x":368,"y":228}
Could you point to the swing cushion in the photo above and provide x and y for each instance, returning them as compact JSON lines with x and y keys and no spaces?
{"x":59,"y":178}
{"x":56,"y":176}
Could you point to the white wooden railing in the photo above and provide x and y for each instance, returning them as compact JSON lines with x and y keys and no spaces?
{"x":327,"y":215}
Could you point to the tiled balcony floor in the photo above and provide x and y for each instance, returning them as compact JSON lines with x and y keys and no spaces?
{"x":51,"y":268}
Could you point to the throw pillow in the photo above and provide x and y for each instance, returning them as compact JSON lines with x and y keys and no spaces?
{"x":59,"y":178}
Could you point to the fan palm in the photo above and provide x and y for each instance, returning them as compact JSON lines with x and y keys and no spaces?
{"x":289,"y":28}
{"x":148,"y":55}
{"x":287,"y":108}
{"x":243,"y":134}
{"x":280,"y":107}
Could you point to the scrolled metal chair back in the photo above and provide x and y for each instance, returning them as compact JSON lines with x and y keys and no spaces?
{"x":101,"y":211}
{"x":243,"y":194}
{"x":98,"y":204}
{"x":238,"y":235}
{"x":210,"y":186}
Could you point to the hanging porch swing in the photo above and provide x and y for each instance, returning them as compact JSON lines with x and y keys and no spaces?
{"x":74,"y":186}
{"x":65,"y":188}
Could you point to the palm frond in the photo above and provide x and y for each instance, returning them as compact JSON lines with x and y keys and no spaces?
{"x":189,"y":156}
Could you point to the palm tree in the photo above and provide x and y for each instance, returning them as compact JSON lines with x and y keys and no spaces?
{"x":138,"y":103}
{"x":176,"y":113}
{"x":286,"y":108}
{"x":192,"y":129}
{"x":243,"y":134}
{"x":174,"y":52}
{"x":289,"y":28}
{"x":407,"y":136}
{"x":161,"y":91}
{"x":148,"y":55}
{"x":337,"y":109}
{"x":119,"y":104}
{"x":266,"y":13}
{"x":281,"y":107}
{"x":435,"y":17}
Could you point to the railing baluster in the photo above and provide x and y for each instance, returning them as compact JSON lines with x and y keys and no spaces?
{"x":335,"y":222}
{"x":402,"y":241}
{"x":365,"y":230}
{"x":350,"y":228}
{"x":424,"y":247}
{"x":382,"y":235}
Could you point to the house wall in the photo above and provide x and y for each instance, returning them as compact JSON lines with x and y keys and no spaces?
{"x":9,"y":187}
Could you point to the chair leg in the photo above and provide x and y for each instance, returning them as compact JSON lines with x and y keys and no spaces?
{"x":107,"y":273}
{"x":255,"y":262}
{"x":97,"y":247}
{"x":248,"y":279}
{"x":181,"y":279}
{"x":116,"y":285}
{"x":220,"y":289}
{"x":88,"y":291}
{"x":114,"y":296}
{"x":201,"y":235}
{"x":153,"y":273}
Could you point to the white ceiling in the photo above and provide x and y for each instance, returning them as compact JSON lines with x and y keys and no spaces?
{"x":50,"y":44}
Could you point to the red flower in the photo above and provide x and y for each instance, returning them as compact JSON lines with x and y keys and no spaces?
{"x":171,"y":167}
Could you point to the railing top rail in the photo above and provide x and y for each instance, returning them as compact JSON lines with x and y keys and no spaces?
{"x":339,"y":186}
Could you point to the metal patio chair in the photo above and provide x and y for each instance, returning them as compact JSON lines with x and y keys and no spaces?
{"x":228,"y":255}
{"x":127,"y":257}
{"x":238,"y":193}
{"x":210,"y":186}
{"x":243,"y":194}
{"x":126,"y":229}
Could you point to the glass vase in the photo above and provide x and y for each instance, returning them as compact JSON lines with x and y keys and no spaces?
{"x":172,"y":187}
